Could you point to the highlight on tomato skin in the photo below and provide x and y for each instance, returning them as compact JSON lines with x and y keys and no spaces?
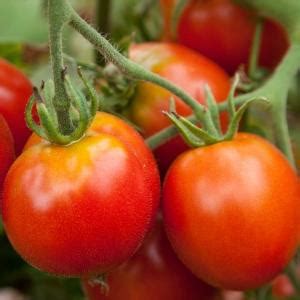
{"x":223,"y":31}
{"x":15,"y":90}
{"x":77,"y":210}
{"x":233,"y":204}
{"x":112,"y":125}
{"x":154,"y":272}
{"x":183,"y":67}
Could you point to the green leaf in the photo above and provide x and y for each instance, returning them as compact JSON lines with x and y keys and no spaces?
{"x":22,"y":22}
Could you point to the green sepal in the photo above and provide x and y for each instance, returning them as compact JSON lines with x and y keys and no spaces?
{"x":191,"y":139}
{"x":94,"y":99}
{"x":52,"y":134}
{"x":31,"y":124}
{"x":81,"y":111}
{"x":230,"y":98}
{"x":213,"y":108}
{"x":197,"y":131}
{"x":79,"y":101}
{"x":194,"y":136}
{"x":49,"y":92}
{"x":234,"y":122}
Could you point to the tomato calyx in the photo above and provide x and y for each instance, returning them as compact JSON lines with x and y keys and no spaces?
{"x":195,"y":136}
{"x":116,"y":90}
{"x":82,"y":110}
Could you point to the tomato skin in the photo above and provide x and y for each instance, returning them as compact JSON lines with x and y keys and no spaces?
{"x":109,"y":124}
{"x":183,"y":67}
{"x":15,"y":90}
{"x":7,"y":154}
{"x":234,"y":204}
{"x":154,"y":272}
{"x":223,"y":31}
{"x":78,"y":210}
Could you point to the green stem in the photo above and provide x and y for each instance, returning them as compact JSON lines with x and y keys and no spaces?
{"x":255,"y":50}
{"x":86,"y":66}
{"x":275,"y":89}
{"x":129,"y":67}
{"x":58,"y":16}
{"x":165,"y":135}
{"x":287,"y":12}
{"x":103,"y":24}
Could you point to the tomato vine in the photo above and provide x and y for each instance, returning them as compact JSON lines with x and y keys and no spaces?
{"x":275,"y":88}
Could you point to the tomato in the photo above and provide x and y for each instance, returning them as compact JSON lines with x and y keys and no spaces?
{"x":184,"y":68}
{"x":85,"y":207}
{"x":223,"y":31}
{"x":282,"y":287}
{"x":231,"y":211}
{"x":154,"y":272}
{"x":109,"y":124}
{"x":15,"y":90}
{"x":6,"y":150}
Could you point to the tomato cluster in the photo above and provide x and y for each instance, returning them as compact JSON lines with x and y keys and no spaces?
{"x":230,"y":210}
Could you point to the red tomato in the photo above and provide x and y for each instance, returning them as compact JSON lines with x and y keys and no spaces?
{"x":6,"y":150}
{"x":232,"y":211}
{"x":154,"y":272}
{"x":184,"y":68}
{"x":15,"y":90}
{"x":282,"y":287}
{"x":223,"y":31}
{"x":109,"y":124}
{"x":85,"y":207}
